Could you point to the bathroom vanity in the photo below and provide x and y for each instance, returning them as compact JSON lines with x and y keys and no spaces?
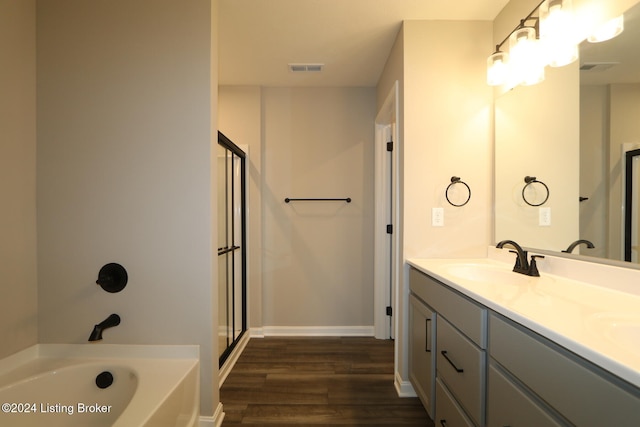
{"x":490,"y":347}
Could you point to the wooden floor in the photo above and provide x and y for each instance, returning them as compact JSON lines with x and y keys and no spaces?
{"x":317,"y":381}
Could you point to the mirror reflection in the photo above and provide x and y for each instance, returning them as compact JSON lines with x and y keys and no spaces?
{"x":573,"y":132}
{"x":609,"y":112}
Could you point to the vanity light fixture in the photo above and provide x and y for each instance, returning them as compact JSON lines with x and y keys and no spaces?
{"x":497,"y":68}
{"x":547,"y":36}
{"x":608,"y":30}
{"x":554,"y":33}
{"x":523,"y":64}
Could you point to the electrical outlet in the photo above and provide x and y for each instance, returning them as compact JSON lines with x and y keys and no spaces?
{"x":437,"y":217}
{"x":544,"y":217}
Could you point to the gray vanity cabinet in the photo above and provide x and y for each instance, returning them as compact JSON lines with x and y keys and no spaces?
{"x":460,"y":343}
{"x":491,"y":371}
{"x":422,"y":347}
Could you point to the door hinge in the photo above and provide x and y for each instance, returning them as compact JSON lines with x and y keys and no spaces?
{"x":390,"y":146}
{"x":389,"y":311}
{"x":389,"y":228}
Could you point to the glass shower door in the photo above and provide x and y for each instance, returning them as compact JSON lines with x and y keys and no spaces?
{"x":231,"y":246}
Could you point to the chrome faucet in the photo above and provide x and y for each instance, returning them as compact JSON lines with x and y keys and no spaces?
{"x":522,"y":264}
{"x":109,"y":322}
{"x":578,"y":242}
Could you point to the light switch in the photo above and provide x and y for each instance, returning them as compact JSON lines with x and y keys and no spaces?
{"x":544,"y":217}
{"x":437,"y":217}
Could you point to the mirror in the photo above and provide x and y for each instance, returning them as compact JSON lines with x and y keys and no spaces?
{"x":576,"y":145}
{"x":537,"y":135}
{"x":609,"y":111}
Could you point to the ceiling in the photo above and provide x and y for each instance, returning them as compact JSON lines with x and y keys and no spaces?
{"x":352,"y":38}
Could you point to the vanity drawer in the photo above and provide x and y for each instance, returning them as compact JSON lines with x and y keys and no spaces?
{"x":466,"y":315}
{"x":509,"y":405}
{"x":583,"y":393}
{"x":461,"y":366}
{"x":448,"y":413}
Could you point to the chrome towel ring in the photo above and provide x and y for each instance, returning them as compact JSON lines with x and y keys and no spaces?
{"x":529,"y":180}
{"x":457,"y":180}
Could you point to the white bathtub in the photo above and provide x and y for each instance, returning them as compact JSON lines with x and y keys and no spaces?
{"x":55,"y":385}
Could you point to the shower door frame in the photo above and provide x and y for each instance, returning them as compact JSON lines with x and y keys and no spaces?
{"x":630,"y":206}
{"x":233,"y":249}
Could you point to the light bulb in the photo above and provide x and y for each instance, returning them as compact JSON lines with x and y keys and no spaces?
{"x":525,"y":57}
{"x":497,"y":68}
{"x":557,"y":32}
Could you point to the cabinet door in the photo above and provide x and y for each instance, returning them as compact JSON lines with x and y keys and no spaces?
{"x":583,"y":393}
{"x":509,"y":405}
{"x":421,"y":350}
{"x":448,"y":413}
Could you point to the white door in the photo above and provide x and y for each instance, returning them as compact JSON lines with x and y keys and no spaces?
{"x":386,"y":221}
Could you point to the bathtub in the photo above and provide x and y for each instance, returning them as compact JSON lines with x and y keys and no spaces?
{"x":99,"y":385}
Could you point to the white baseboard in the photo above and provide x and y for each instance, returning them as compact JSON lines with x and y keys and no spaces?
{"x":232,"y":359}
{"x":316,"y":331}
{"x":404,"y":388}
{"x":256,"y":333}
{"x":215,"y":420}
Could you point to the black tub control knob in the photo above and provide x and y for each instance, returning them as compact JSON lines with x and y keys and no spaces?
{"x":112,"y":277}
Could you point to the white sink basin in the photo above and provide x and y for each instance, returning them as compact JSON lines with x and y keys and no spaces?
{"x":621,"y":329}
{"x":487,"y":273}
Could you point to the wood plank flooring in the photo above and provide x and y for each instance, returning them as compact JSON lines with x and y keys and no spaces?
{"x":317,"y":381}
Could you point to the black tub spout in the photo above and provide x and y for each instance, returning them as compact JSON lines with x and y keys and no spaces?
{"x":109,"y":322}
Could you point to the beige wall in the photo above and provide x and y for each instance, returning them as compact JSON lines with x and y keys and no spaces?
{"x":393,"y":71}
{"x":318,"y":256}
{"x":537,"y":134}
{"x":310,"y":264}
{"x":444,"y":123}
{"x":126,"y":110}
{"x":18,"y":278}
{"x":608,"y":120}
{"x":594,"y":144}
{"x":446,"y":133}
{"x":239,"y":118}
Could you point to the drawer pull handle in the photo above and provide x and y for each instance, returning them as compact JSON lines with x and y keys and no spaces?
{"x":443,"y":423}
{"x":444,"y":353}
{"x":426,"y":336}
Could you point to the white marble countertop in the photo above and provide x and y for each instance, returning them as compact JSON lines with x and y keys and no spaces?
{"x":597,"y":322}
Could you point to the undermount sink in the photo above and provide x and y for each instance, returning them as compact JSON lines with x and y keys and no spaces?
{"x":487,"y":273}
{"x":622,"y":329}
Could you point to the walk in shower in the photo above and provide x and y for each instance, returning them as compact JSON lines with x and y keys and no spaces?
{"x":232,"y":301}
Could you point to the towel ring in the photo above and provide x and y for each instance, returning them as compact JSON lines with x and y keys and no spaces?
{"x":531,"y":180}
{"x":456,"y":180}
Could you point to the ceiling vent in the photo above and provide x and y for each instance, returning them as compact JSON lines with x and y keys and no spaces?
{"x":306,"y":68}
{"x":597,"y":66}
